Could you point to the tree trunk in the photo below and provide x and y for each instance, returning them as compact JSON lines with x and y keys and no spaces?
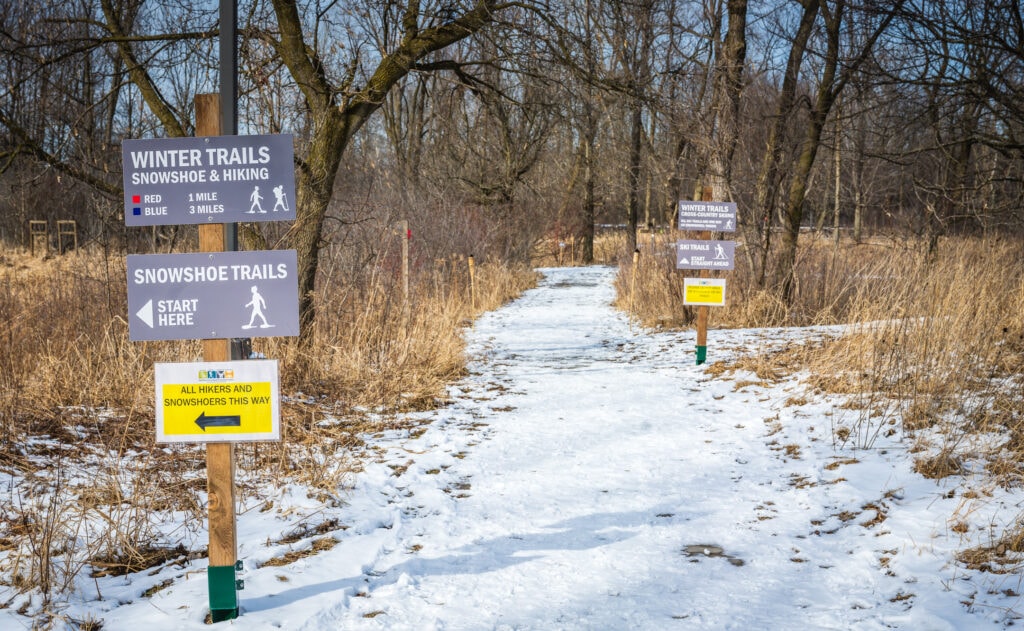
{"x":726,"y":99}
{"x":829,"y":89}
{"x":635,"y":137}
{"x":794,"y":210}
{"x":589,"y":203}
{"x":334,"y":125}
{"x":314,"y":187}
{"x":768,"y":181}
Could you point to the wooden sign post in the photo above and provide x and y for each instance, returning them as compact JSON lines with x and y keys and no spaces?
{"x":175,"y":296}
{"x":406,"y":237}
{"x":220,"y":457}
{"x":703,"y":310}
{"x":704,"y":217}
{"x":149,"y":202}
{"x":472,"y":283}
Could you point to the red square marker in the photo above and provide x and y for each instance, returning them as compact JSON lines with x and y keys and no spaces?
{"x":136,"y":199}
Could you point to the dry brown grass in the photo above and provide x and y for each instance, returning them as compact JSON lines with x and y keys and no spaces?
{"x":939,"y":345}
{"x":316,"y":547}
{"x":934,"y":345}
{"x":1004,"y":556}
{"x":927,"y":337}
{"x":76,"y":401}
{"x":829,"y":286}
{"x":372,"y":351}
{"x":609,"y":248}
{"x":62,"y":322}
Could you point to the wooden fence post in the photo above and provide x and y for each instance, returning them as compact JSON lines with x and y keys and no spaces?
{"x":406,"y":237}
{"x":632,"y":282}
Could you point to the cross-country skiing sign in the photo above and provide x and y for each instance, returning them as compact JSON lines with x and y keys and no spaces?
{"x":698,"y":254}
{"x":217,"y":401}
{"x":212,"y":179}
{"x":709,"y":216}
{"x":209,"y":295}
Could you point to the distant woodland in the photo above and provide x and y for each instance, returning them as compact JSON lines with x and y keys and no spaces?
{"x":492,"y":125}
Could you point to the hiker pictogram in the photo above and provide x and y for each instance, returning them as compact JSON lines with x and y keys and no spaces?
{"x":281,"y":201}
{"x":256,"y":198}
{"x":258,"y":304}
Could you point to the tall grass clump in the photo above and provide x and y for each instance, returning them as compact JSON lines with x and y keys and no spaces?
{"x":939,"y":343}
{"x":941,"y":333}
{"x":375,"y":348}
{"x":827,"y":281}
{"x":62,"y":321}
{"x":939,"y":353}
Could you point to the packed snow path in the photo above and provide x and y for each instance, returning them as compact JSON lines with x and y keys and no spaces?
{"x":600,"y":460}
{"x":587,"y":475}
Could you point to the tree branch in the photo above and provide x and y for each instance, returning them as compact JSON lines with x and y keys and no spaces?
{"x":140,"y":76}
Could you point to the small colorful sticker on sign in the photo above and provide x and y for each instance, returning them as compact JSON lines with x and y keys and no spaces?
{"x":704,"y":292}
{"x":217,"y":401}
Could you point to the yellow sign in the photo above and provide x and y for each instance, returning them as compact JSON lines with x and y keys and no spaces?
{"x":217,"y":401}
{"x":704,"y":292}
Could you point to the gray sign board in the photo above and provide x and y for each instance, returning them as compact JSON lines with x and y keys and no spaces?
{"x":710,"y":216}
{"x":209,"y":295}
{"x":698,"y":254}
{"x":213,"y":179}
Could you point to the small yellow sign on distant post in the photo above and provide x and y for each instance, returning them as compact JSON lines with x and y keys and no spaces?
{"x":708,"y":292}
{"x":231,"y":401}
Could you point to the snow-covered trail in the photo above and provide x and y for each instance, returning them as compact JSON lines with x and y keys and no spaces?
{"x":603,"y":457}
{"x":587,"y":475}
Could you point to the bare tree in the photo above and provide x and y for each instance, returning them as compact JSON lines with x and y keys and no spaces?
{"x":341,"y":86}
{"x":65,"y":105}
{"x":965,"y":68}
{"x":837,"y":68}
{"x":758,"y":226}
{"x":725,"y":103}
{"x":340,"y":101}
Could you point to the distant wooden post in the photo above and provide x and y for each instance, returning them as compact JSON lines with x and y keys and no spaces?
{"x":703,"y":310}
{"x":406,"y":237}
{"x":38,"y":231}
{"x":220,"y":457}
{"x":472,"y":283}
{"x":632,"y":282}
{"x":455,"y":272}
{"x":439,"y":277}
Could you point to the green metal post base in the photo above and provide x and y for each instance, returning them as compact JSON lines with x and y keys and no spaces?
{"x":223,"y":592}
{"x":702,"y":354}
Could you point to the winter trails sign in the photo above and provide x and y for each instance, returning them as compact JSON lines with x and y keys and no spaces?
{"x":213,"y":179}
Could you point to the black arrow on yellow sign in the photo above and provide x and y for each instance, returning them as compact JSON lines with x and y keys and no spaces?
{"x":204,"y":421}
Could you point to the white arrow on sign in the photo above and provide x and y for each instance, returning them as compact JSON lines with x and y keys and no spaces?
{"x":146,"y":313}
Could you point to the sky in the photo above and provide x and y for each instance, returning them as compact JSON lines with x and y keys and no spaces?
{"x":587,"y":474}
